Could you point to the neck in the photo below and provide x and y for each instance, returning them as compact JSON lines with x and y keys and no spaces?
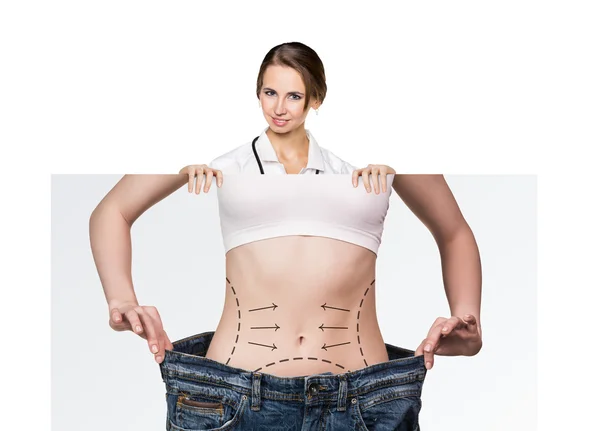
{"x":290,"y":145}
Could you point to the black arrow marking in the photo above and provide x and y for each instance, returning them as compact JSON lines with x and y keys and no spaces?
{"x":266,"y":327}
{"x":322,"y":328}
{"x":327,"y":306}
{"x":263,"y":345}
{"x":333,"y":345}
{"x":264,"y":308}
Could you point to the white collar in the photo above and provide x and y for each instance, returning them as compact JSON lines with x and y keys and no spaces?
{"x":267,"y":153}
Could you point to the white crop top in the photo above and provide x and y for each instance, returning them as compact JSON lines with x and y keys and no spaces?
{"x":256,"y":207}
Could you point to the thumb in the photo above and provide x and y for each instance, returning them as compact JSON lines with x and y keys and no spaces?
{"x":420,"y":350}
{"x":168,"y":344}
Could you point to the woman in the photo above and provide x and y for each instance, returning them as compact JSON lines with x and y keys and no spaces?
{"x":298,"y":345}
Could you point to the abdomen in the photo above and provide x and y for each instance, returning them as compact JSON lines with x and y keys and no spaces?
{"x":297,"y":306}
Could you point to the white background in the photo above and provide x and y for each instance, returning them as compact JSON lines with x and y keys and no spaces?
{"x":455,"y":87}
{"x":179,"y":267}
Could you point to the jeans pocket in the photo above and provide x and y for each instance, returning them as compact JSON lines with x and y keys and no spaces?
{"x":200,"y":412}
{"x":389,"y":409}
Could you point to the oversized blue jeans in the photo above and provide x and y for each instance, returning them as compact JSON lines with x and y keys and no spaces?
{"x":203,"y":394}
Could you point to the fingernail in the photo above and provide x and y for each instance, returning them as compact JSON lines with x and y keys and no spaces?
{"x":428,"y":348}
{"x":138,"y":328}
{"x":445,"y":328}
{"x":428,"y":365}
{"x":158,"y":358}
{"x":154,"y":348}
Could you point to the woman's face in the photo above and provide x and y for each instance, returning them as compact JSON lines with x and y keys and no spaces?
{"x":282,"y":97}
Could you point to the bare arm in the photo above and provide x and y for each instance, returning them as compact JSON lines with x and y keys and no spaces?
{"x":432,"y":201}
{"x":110,"y":229}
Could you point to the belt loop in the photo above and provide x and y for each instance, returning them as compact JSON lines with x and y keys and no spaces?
{"x":255,"y":405}
{"x":342,"y":393}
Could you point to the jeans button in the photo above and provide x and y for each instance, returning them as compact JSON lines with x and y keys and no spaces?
{"x":313,"y":388}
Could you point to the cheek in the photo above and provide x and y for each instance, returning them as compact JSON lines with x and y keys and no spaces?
{"x":298,"y":111}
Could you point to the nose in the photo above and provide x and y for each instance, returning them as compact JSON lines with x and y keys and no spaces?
{"x":280,"y":107}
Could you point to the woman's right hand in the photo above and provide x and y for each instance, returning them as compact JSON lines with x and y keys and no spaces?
{"x":197,"y":171}
{"x":144,"y":321}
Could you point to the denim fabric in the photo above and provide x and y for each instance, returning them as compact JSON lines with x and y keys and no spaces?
{"x":203,"y":394}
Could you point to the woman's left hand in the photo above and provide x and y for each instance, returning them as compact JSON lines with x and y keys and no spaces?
{"x":374,"y":170}
{"x":451,"y":337}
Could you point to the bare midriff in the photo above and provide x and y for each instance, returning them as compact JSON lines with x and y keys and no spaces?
{"x":299,"y":305}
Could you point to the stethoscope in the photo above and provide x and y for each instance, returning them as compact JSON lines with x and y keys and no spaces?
{"x":258,"y":160}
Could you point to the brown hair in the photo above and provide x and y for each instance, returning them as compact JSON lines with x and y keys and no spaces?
{"x":305,"y":61}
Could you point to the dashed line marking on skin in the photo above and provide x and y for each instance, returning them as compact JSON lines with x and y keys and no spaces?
{"x":299,"y":358}
{"x":239,"y":325}
{"x":357,"y":324}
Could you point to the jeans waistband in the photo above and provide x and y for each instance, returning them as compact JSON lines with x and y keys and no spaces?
{"x":187,"y":361}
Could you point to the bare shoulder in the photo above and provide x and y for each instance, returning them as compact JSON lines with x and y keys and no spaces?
{"x":134,"y":194}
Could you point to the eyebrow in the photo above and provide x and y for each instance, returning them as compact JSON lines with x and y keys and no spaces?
{"x":290,"y":92}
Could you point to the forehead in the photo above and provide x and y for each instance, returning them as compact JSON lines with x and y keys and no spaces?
{"x":283,"y":76}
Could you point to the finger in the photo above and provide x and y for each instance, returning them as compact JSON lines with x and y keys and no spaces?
{"x":162,"y":340}
{"x":199,"y":178}
{"x":431,"y":344}
{"x":419,"y":349}
{"x":471,"y":322}
{"x":375,"y":176}
{"x":168,"y":343}
{"x":383,"y":176}
{"x":219,"y":178}
{"x":115,"y":321}
{"x":366,"y":179}
{"x":209,"y":176}
{"x":134,"y":321}
{"x":115,"y":315}
{"x":190,"y":179}
{"x":151,"y":335}
{"x":450,"y":325}
{"x":355,"y":175}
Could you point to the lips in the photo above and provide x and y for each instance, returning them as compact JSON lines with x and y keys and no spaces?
{"x":279,"y":122}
